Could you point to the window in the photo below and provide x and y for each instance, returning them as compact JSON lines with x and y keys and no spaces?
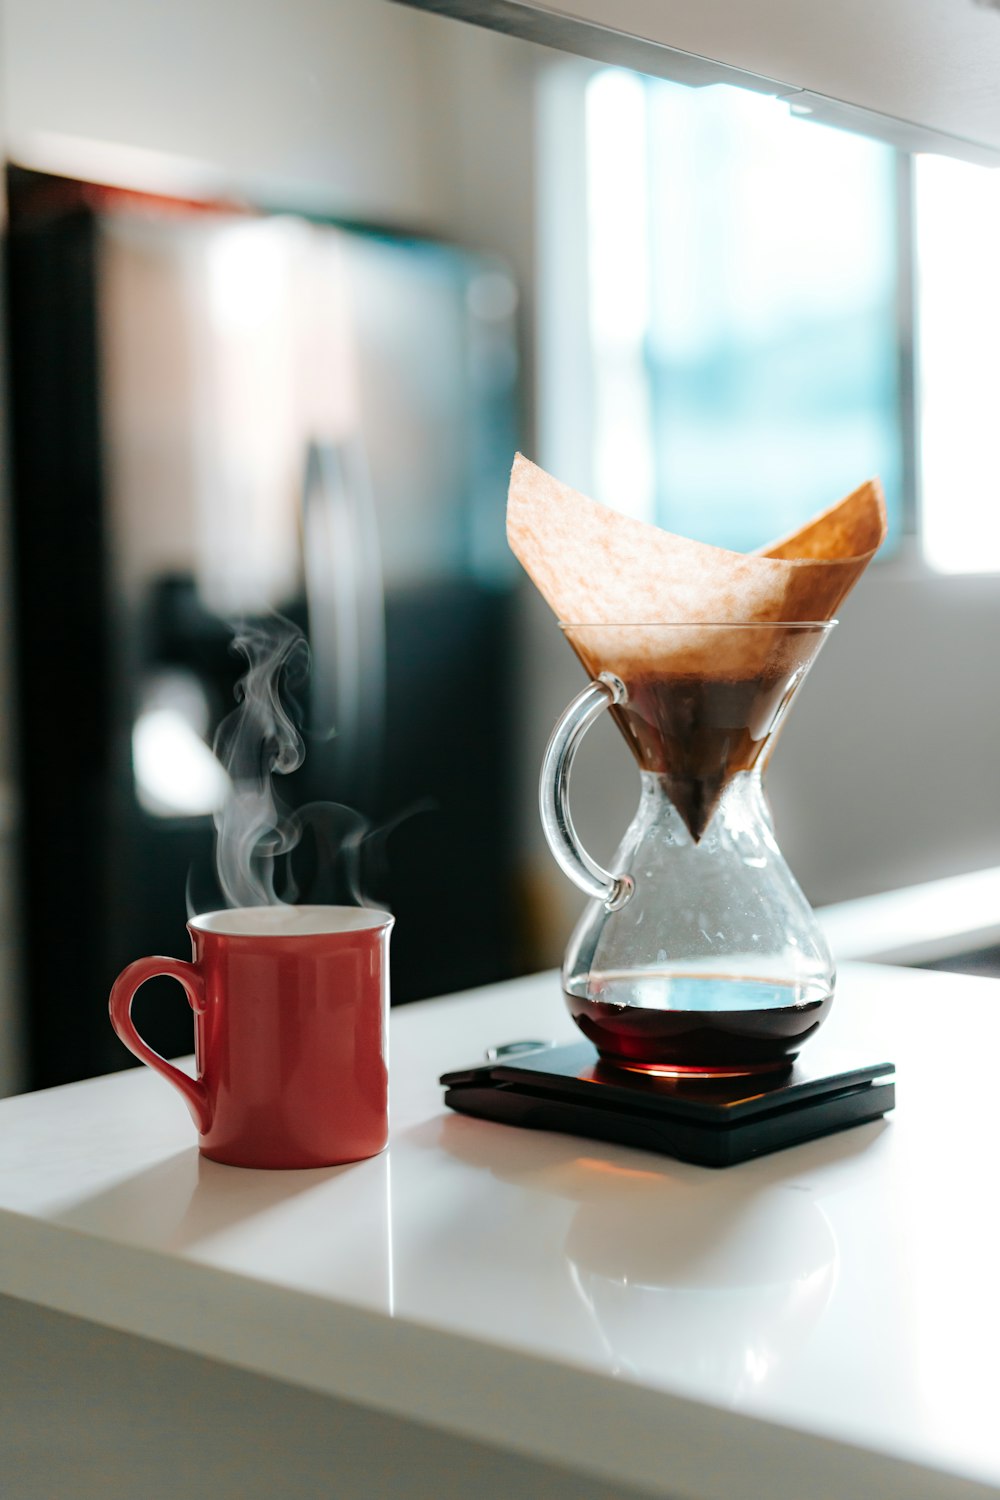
{"x":748,"y":299}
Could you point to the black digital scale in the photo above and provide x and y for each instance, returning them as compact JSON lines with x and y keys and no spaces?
{"x":715,"y":1122}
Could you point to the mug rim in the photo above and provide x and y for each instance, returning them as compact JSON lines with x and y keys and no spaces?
{"x":315,"y":921}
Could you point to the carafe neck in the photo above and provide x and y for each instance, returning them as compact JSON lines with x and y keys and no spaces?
{"x":741,"y":806}
{"x":699,"y":733}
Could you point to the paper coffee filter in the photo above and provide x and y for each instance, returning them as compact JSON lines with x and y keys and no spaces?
{"x":597,"y":568}
{"x":854,"y":528}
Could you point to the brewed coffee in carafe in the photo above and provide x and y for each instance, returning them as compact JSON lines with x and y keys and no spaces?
{"x":698,"y":952}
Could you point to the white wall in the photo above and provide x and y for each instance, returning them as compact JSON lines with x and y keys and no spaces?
{"x":323,"y":99}
{"x":888,"y":773}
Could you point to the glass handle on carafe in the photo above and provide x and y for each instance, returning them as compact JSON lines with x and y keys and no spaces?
{"x":553,"y":793}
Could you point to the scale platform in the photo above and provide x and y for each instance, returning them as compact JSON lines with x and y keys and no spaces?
{"x":715,"y":1122}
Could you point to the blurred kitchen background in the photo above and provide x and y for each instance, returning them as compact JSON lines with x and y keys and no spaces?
{"x":285,"y":288}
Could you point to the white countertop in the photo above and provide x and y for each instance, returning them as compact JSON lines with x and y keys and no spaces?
{"x":822,"y":1321}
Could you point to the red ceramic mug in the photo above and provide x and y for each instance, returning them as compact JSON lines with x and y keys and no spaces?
{"x":290,"y":1007}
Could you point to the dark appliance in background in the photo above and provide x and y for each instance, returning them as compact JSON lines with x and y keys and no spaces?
{"x":217,"y":415}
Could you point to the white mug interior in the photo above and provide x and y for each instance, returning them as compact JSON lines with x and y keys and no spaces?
{"x":290,"y":921}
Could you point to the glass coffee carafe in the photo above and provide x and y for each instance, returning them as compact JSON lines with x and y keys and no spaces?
{"x":698,"y":953}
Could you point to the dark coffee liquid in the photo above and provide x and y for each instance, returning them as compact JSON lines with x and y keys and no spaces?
{"x":731,"y":1024}
{"x":705,"y":712}
{"x":698,"y":733}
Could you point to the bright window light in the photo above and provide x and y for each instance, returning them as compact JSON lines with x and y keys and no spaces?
{"x":618,"y":233}
{"x":958,"y":331}
{"x":742,"y":307}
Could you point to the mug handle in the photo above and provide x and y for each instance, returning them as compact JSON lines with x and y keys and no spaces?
{"x":553,"y":793}
{"x":120,"y":1006}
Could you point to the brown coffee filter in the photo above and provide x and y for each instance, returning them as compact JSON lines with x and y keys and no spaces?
{"x":595,"y":567}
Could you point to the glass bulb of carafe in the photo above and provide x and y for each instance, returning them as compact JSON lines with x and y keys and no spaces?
{"x":699,"y":953}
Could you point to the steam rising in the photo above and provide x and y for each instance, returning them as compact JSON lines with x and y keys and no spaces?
{"x":255,"y":742}
{"x":337,"y":851}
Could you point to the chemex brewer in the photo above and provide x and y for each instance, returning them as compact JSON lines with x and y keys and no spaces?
{"x":698,"y":953}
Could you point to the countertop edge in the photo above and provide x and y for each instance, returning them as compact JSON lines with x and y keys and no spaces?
{"x":540,"y":1408}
